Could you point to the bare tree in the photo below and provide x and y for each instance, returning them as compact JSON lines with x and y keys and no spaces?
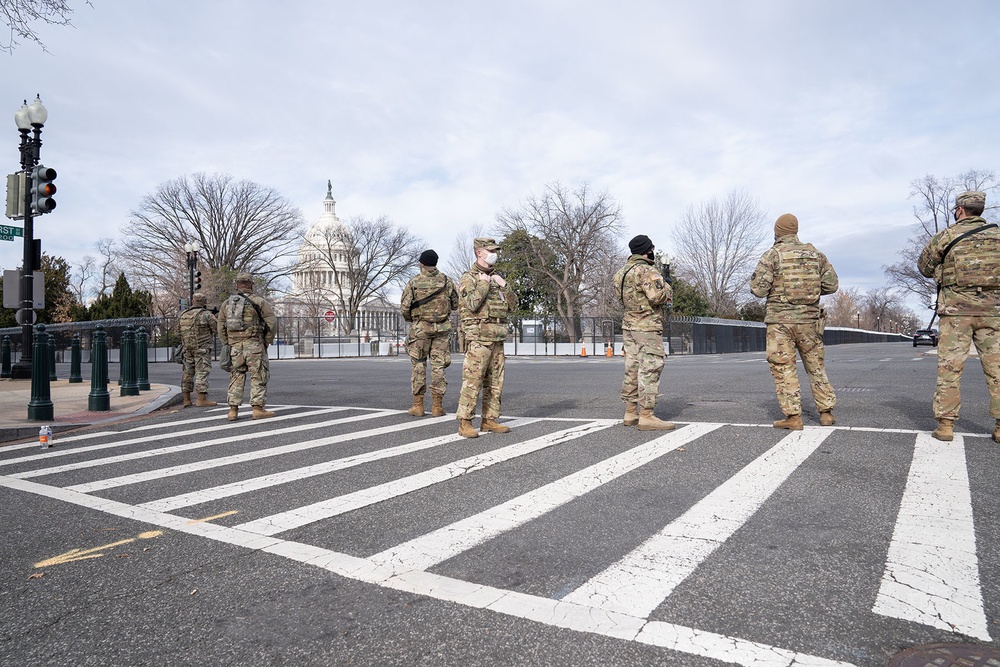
{"x":462,"y":256}
{"x":82,"y":277}
{"x":241,"y":226}
{"x":933,"y":211}
{"x":843,"y":307}
{"x":110,"y":266}
{"x":21,"y":16}
{"x":568,"y":233}
{"x":350,"y":264}
{"x":719,"y":243}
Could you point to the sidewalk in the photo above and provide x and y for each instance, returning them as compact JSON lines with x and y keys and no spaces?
{"x":69,"y":406}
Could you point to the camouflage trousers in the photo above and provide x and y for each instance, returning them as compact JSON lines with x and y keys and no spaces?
{"x":782,"y":342}
{"x":438,"y":350}
{"x":483,"y":369}
{"x":644,"y":358}
{"x":249,"y":358}
{"x":958,"y":334}
{"x":194,"y":373}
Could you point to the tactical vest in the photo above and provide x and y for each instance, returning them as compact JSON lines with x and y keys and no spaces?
{"x":974,"y":262}
{"x":189,"y":327}
{"x":798,"y":275}
{"x":438,"y":308}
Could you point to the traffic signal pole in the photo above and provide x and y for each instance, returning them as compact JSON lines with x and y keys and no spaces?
{"x":29,"y":155}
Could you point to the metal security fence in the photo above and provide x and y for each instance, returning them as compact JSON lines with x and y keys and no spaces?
{"x":315,"y":338}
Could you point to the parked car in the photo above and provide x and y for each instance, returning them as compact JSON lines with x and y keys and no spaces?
{"x":925,"y":337}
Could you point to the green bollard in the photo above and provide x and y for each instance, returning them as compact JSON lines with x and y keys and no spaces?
{"x":5,"y":354}
{"x":75,"y":376}
{"x":142,"y":360}
{"x":40,"y":405}
{"x":129,"y":386}
{"x":99,"y":399}
{"x":52,"y":358}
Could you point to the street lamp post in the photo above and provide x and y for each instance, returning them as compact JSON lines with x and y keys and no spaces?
{"x":859,"y":319}
{"x":191,"y":248}
{"x":29,"y":119}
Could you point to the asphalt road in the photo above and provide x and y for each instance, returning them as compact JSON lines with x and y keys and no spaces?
{"x":346,"y":532}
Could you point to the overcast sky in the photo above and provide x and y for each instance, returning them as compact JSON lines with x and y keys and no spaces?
{"x":438,"y":114}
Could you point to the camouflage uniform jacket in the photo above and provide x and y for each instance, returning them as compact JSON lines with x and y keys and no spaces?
{"x":484,"y":306}
{"x":197,"y":327}
{"x":249,"y":325}
{"x":792,"y":276}
{"x":643,"y":293}
{"x":432,"y":317}
{"x":974,"y":261}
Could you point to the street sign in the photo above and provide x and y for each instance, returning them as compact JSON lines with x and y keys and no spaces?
{"x":25,"y":316}
{"x":12,"y":289}
{"x":330,"y":315}
{"x":8,"y":233}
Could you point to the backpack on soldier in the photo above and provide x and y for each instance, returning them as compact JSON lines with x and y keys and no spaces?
{"x":798,"y":266}
{"x":234,"y":313}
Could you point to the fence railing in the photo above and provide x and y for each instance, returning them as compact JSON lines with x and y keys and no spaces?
{"x":314,"y":338}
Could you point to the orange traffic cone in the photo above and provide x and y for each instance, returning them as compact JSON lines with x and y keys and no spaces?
{"x":609,"y":351}
{"x":583,"y":348}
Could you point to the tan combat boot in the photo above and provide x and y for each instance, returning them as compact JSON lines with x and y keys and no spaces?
{"x":187,"y":399}
{"x":234,"y":411}
{"x":631,"y":414}
{"x":203,"y":401}
{"x":826,"y":418}
{"x":437,"y":407}
{"x":493,"y":426}
{"x":649,"y":422}
{"x":996,"y":432}
{"x":466,"y":429}
{"x":260,"y":413}
{"x":417,"y":410}
{"x":791,"y":422}
{"x":945,"y":430}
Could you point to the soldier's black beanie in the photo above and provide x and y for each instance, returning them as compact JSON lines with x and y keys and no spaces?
{"x":428,"y":258}
{"x":640,"y":245}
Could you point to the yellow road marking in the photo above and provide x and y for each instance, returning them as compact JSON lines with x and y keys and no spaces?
{"x":84,"y":554}
{"x":212,"y":518}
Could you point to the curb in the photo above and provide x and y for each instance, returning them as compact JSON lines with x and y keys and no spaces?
{"x":15,"y":433}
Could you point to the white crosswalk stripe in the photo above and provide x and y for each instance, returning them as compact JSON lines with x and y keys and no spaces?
{"x":931,"y":574}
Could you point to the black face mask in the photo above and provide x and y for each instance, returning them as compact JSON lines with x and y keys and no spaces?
{"x":650,"y":256}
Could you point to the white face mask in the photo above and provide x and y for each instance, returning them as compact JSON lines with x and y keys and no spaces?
{"x":491,"y":258}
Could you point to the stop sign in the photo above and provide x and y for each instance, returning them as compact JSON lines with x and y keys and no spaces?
{"x":330,"y":315}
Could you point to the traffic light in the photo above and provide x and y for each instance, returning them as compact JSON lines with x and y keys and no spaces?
{"x":42,"y":189}
{"x":197,"y":281}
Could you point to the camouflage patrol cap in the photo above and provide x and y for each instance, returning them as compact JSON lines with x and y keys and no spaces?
{"x":486,"y":242}
{"x":199,"y":298}
{"x":244,"y":278}
{"x":970,"y":198}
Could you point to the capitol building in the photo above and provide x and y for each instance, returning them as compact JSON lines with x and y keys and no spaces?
{"x":322,"y":285}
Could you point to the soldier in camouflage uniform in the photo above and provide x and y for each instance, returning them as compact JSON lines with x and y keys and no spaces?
{"x":427,"y":302}
{"x":197,"y":328}
{"x":247,"y":323}
{"x":485,"y":301}
{"x":792,"y":276}
{"x":643,"y":293}
{"x":968,"y":276}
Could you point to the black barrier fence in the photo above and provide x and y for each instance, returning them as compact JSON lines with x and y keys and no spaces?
{"x":314,"y":338}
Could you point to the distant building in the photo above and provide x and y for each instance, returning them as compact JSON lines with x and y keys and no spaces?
{"x":322,"y":286}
